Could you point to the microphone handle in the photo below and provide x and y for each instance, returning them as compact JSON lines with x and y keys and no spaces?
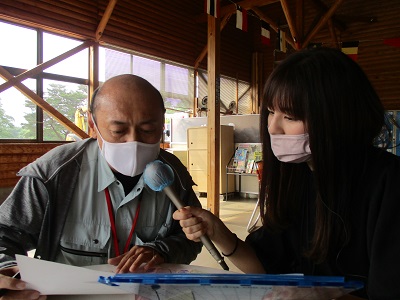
{"x":204,"y":238}
{"x":213,"y":251}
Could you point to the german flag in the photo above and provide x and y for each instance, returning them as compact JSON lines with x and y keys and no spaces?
{"x":351,"y":49}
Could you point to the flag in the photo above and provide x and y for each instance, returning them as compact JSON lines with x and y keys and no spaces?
{"x":351,"y":49}
{"x":212,"y":7}
{"x":281,"y":41}
{"x":395,"y":42}
{"x":241,"y":18}
{"x":265,"y":33}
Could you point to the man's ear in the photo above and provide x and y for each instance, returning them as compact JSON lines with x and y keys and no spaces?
{"x":92,"y":131}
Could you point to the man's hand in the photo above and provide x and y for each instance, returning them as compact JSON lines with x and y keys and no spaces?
{"x":13,"y":288}
{"x":135,"y":257}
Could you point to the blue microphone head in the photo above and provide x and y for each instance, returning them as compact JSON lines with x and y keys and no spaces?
{"x":158,"y":175}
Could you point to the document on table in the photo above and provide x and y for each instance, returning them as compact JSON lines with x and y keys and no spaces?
{"x":177,"y":282}
{"x":51,"y":278}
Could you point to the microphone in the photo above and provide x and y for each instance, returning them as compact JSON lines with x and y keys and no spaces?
{"x":159,"y":176}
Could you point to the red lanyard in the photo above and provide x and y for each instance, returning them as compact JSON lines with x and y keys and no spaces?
{"x":113,"y":228}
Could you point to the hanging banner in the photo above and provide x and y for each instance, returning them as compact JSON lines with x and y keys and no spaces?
{"x":211,"y":7}
{"x":241,"y":18}
{"x":265,"y":33}
{"x":351,"y":49}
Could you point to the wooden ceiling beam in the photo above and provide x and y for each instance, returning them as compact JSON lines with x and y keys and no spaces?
{"x":322,"y":22}
{"x":323,"y":8}
{"x":44,"y":105}
{"x":104,"y":20}
{"x":292,"y":27}
{"x":39,"y":68}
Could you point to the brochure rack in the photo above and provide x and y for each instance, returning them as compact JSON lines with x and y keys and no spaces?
{"x":244,"y":162}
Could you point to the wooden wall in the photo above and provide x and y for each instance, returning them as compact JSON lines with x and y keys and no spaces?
{"x":381,"y":62}
{"x":15,"y":156}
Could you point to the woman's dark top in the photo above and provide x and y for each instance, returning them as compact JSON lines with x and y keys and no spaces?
{"x":373,"y":253}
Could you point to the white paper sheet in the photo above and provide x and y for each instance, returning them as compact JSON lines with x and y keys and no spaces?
{"x":51,"y":278}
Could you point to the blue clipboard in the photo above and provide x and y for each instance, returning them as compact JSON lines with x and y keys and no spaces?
{"x":233,"y":286}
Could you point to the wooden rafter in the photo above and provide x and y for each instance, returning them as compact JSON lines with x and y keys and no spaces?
{"x":39,"y":68}
{"x":322,"y":22}
{"x":105,"y":18}
{"x":323,"y":8}
{"x":44,"y":105}
{"x":291,"y":24}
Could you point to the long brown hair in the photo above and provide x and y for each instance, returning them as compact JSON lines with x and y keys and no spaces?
{"x":343,"y":115}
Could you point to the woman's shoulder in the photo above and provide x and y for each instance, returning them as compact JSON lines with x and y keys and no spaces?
{"x":379,"y":157}
{"x":382,"y":170}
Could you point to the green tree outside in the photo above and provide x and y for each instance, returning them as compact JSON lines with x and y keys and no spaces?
{"x":8,"y":129}
{"x":65,"y":101}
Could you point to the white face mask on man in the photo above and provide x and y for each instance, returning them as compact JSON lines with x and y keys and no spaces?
{"x":128,"y":158}
{"x":291,"y":148}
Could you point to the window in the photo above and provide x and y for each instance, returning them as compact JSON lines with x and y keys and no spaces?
{"x":74,"y":66}
{"x":63,"y":85}
{"x":175,"y":83}
{"x":67,"y":99}
{"x":228,"y":91}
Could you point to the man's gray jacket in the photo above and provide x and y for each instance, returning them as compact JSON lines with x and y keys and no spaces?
{"x":33,"y":215}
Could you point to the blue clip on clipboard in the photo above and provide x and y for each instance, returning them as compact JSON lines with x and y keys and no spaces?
{"x":233,"y":286}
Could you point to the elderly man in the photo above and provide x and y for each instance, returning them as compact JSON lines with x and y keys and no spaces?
{"x":86,"y":203}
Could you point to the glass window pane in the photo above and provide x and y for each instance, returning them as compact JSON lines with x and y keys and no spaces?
{"x":67,"y":99}
{"x":113,"y":63}
{"x":15,"y":42}
{"x":245,"y":106}
{"x":17,"y":113}
{"x":75,"y":66}
{"x":227,"y":92}
{"x":176,"y":80}
{"x":202,"y":89}
{"x":148,"y":69}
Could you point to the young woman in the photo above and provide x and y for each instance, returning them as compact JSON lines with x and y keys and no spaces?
{"x":330,"y":198}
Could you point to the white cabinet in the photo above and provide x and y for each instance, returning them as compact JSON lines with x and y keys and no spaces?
{"x":197,"y":157}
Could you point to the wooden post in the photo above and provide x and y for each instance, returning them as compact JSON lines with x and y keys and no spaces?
{"x":213,"y":117}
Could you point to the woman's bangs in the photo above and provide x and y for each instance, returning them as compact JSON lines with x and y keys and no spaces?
{"x":282,"y":98}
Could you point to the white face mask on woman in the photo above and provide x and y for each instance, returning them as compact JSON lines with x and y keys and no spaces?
{"x":291,"y":148}
{"x":128,"y":158}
